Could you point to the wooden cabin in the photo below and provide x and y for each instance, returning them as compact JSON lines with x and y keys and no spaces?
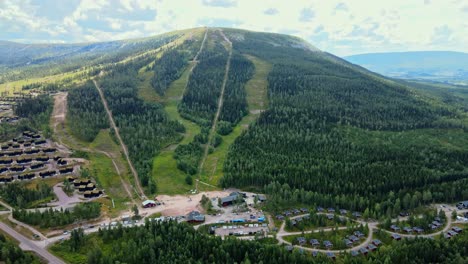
{"x":45,"y":174}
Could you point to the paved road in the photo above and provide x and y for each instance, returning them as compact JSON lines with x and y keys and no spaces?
{"x":27,"y":244}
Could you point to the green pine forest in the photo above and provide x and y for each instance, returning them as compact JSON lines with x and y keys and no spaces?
{"x":332,"y":134}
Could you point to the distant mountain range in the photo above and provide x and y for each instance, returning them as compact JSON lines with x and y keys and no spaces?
{"x":441,"y":66}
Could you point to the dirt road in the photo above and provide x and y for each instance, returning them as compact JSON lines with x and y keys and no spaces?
{"x":59,"y":114}
{"x":119,"y":138}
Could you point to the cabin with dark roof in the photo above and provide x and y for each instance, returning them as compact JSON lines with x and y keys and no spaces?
{"x":327,"y":244}
{"x":457,"y":229}
{"x":195,"y":217}
{"x":17,"y":168}
{"x":408,"y":229}
{"x":301,"y":240}
{"x":396,"y":237}
{"x":356,"y":214}
{"x":376,"y":242}
{"x":358,"y":234}
{"x":6,"y":178}
{"x":371,"y":247}
{"x":66,"y":170}
{"x":354,"y":253}
{"x":231,"y":199}
{"x":363,"y":251}
{"x":6,"y":161}
{"x":37,"y":166}
{"x":395,"y":228}
{"x":49,"y":150}
{"x":462,"y":205}
{"x":47,"y":173}
{"x":331,"y":255}
{"x":26,"y":176}
{"x":39,"y":142}
{"x":314,"y":242}
{"x":42,"y":158}
{"x":31,"y":151}
{"x":353,"y":238}
{"x":348,"y":242}
{"x":23,"y":160}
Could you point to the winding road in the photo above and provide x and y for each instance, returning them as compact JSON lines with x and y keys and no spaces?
{"x":371,"y":225}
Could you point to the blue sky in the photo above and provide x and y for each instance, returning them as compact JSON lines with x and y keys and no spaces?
{"x":340,"y":27}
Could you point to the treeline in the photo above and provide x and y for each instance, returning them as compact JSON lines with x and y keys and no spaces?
{"x":333,"y":131}
{"x":144,"y":127}
{"x":167,"y":69}
{"x":36,"y":111}
{"x":282,"y":196}
{"x":54,"y":218}
{"x":18,"y":195}
{"x":11,"y":253}
{"x":170,"y":242}
{"x":86,"y":115}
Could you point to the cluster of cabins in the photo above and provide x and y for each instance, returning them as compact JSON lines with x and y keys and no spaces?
{"x":291,"y":212}
{"x":453,"y":232}
{"x":85,"y":186}
{"x":331,"y":211}
{"x":362,"y":251}
{"x":369,"y":248}
{"x":436,"y":224}
{"x":349,"y":241}
{"x":25,"y":157}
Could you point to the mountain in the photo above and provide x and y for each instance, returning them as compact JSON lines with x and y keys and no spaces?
{"x":441,"y":66}
{"x":212,"y":108}
{"x":38,"y":60}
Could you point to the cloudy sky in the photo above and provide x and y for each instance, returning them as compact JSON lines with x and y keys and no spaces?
{"x":340,"y":27}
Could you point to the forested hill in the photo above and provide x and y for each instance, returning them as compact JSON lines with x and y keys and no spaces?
{"x":333,"y":134}
{"x":338,"y":135}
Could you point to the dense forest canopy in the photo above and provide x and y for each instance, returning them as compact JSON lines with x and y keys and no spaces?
{"x":333,"y":129}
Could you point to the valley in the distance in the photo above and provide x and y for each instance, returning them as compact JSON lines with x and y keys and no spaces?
{"x":221,"y":145}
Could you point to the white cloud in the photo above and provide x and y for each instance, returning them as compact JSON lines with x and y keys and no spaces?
{"x":338,"y":26}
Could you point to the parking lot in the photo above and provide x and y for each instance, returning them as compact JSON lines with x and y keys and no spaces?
{"x":241,"y":230}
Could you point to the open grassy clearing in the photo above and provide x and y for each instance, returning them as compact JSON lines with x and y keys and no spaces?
{"x":102,"y":153}
{"x":257,"y":100}
{"x":169,"y":178}
{"x":68,"y":77}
